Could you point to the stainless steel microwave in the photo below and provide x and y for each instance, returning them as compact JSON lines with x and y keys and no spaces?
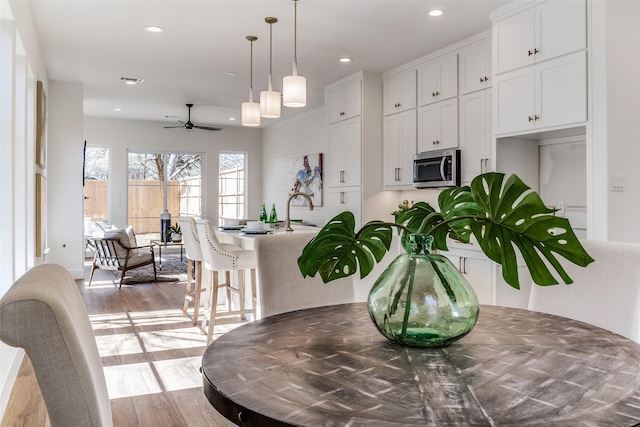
{"x":436,"y":169}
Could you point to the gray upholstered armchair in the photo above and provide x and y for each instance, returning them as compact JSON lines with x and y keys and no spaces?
{"x":117,"y":250}
{"x":44,"y":314}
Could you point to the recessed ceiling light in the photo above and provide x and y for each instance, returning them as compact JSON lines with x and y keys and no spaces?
{"x":436,"y":12}
{"x":117,"y":109}
{"x":131,"y":80}
{"x":346,"y":59}
{"x":231,"y":73}
{"x":153,"y":29}
{"x":232,"y":118}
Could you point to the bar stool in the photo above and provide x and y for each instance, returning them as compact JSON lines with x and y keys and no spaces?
{"x":219,"y":258}
{"x":194,"y":259}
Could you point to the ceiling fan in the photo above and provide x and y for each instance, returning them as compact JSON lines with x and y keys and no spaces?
{"x":189,"y":125}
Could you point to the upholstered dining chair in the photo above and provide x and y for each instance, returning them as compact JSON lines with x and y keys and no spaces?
{"x":281,"y":287}
{"x":606,"y":293}
{"x":44,"y":314}
{"x":194,"y":259}
{"x":226,"y":259}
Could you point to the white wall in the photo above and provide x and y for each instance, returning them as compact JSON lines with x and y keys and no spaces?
{"x":123,"y":135}
{"x":283,"y":142}
{"x":623,"y":129}
{"x":64,"y":177}
{"x":20,"y":67}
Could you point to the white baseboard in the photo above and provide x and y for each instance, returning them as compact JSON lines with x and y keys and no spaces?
{"x":77,"y":274}
{"x":8,"y":373}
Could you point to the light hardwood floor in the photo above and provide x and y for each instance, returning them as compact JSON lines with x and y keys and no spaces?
{"x":150,"y":354}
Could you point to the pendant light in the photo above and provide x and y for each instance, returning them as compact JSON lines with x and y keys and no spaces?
{"x":270,"y":100}
{"x":294,"y":87}
{"x":251,"y":110}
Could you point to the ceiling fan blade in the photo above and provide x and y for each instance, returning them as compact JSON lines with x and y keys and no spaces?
{"x":206,"y":127}
{"x":172,"y":127}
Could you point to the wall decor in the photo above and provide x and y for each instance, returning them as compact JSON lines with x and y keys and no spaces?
{"x":306,"y":172}
{"x":41,"y":126}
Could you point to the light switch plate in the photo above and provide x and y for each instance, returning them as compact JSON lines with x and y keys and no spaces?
{"x":617,"y":183}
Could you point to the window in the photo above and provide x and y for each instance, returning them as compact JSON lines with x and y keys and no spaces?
{"x":96,"y":189}
{"x":162,"y":181}
{"x":231,"y":186}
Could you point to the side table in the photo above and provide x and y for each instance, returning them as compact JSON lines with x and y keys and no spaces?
{"x":160,"y":244}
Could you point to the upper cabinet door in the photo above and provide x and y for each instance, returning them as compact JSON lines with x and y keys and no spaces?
{"x":561,"y":28}
{"x":438,"y":80}
{"x":345,"y":102}
{"x":513,"y":41}
{"x":475,"y":68}
{"x":547,"y":31}
{"x":400,"y":92}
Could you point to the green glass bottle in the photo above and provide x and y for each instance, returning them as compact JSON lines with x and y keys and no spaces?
{"x":263,"y":214}
{"x":273,"y":216}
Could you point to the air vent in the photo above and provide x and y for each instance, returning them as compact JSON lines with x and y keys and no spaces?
{"x":130,"y":80}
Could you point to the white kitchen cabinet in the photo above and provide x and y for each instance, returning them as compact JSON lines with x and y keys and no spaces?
{"x":345,"y":101}
{"x":354,"y":160}
{"x":399,"y":92}
{"x":550,"y":94}
{"x":345,"y":148}
{"x":475,"y":134}
{"x":346,"y":199}
{"x":438,"y":126}
{"x":547,"y":31}
{"x":438,"y":80}
{"x":475,"y":68}
{"x":399,"y":146}
{"x":477,"y":269}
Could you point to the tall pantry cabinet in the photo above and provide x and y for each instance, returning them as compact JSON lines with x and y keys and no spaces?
{"x":400,"y":130}
{"x":354,"y":118}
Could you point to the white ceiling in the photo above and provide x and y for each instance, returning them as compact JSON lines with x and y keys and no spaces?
{"x":96,"y":42}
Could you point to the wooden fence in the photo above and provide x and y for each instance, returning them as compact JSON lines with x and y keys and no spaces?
{"x":145,"y":202}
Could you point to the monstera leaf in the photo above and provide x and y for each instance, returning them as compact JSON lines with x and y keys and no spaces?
{"x":517,"y":217}
{"x":501,"y":215}
{"x":338,"y":251}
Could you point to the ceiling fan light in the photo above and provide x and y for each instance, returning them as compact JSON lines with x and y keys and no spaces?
{"x":294,"y":91}
{"x":250,"y":114}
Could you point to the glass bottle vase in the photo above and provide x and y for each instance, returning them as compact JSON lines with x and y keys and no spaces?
{"x":421,"y":299}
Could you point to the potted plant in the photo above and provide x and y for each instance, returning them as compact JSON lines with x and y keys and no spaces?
{"x":174,"y":233}
{"x":421,"y":299}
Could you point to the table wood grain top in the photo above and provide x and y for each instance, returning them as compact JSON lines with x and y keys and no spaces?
{"x":329,"y":366}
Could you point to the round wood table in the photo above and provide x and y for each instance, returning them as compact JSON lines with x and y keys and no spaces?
{"x":329,"y":366}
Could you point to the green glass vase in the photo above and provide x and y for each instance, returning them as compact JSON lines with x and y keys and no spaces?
{"x":421,"y":299}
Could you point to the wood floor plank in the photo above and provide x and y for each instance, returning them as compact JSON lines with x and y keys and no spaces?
{"x":150,"y":353}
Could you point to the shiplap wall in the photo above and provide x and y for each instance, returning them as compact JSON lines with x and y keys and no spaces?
{"x":283,"y":142}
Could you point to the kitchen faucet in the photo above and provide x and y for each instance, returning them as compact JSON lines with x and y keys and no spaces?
{"x":287,"y":222}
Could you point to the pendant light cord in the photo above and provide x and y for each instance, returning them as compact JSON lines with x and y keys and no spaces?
{"x":295,"y":31}
{"x":270,"y":48}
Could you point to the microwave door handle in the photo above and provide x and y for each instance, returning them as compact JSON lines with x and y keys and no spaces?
{"x":442,"y":162}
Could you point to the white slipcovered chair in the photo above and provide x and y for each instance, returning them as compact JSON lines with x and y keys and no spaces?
{"x":281,"y":285}
{"x":224,"y":258}
{"x":194,"y":257}
{"x":606,"y":293}
{"x":44,"y":314}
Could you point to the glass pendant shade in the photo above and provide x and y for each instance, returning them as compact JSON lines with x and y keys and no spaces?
{"x":270,"y":102}
{"x":294,"y":87}
{"x":250,"y":113}
{"x":251,"y":110}
{"x":294,"y":90}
